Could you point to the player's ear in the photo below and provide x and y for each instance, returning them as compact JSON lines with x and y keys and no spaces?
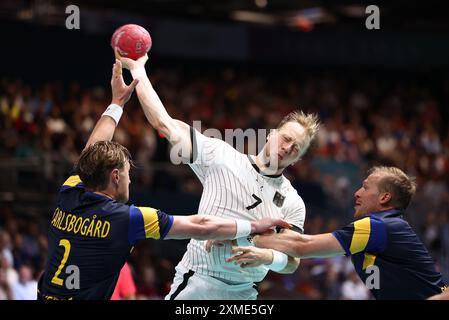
{"x":385,"y":197}
{"x":115,"y":175}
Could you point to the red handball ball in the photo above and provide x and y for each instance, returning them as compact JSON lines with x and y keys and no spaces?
{"x":132,"y":41}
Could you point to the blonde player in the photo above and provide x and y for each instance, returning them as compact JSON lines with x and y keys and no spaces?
{"x":235,"y":185}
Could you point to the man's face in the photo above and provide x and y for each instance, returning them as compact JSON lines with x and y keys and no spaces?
{"x":25,"y":274}
{"x":283,"y":145}
{"x":123,"y":184}
{"x":368,"y":197}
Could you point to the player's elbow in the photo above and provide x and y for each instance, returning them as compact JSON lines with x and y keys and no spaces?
{"x":160,"y":126}
{"x":169,"y":129}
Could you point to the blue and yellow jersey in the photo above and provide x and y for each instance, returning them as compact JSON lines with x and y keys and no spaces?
{"x":405,"y":268}
{"x":89,"y":239}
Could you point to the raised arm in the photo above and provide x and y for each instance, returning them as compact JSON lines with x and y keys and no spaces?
{"x":176,"y":131}
{"x":105,"y":127}
{"x":204,"y":227}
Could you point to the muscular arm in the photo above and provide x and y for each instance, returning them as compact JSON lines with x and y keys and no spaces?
{"x":204,"y":227}
{"x":176,"y":131}
{"x":105,"y":127}
{"x":103,"y":131}
{"x":300,"y":245}
{"x":293,"y":262}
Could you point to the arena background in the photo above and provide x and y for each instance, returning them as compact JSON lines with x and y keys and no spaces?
{"x":382,"y":96}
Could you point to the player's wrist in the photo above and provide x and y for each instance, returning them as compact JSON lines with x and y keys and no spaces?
{"x":254,"y":226}
{"x":278,"y":262}
{"x":117,"y":102}
{"x":268,"y":257}
{"x":243,"y":228}
{"x":138,"y":71}
{"x":115,"y":111}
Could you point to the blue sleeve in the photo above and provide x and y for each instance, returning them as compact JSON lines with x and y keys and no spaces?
{"x":73,"y":181}
{"x":378,"y":238}
{"x":367,"y":234}
{"x":145,"y":223}
{"x":344,"y":236}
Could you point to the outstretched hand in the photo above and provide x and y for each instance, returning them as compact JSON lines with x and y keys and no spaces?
{"x":219,"y":244}
{"x":250,"y":257}
{"x":131,"y":64}
{"x":265,"y":224}
{"x":120,"y":91}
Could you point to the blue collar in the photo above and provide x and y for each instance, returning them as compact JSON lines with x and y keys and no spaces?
{"x":392,"y":213}
{"x":97,"y":196}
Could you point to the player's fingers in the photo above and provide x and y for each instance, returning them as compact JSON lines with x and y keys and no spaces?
{"x":241,"y":261}
{"x":235,"y":257}
{"x":117,"y":69}
{"x":117,"y":53}
{"x":282,"y":223}
{"x":211,"y":243}
{"x":239,"y":249}
{"x":133,"y":84}
{"x":269,"y":232}
{"x":250,"y":265}
{"x":232,"y":258}
{"x":144,"y":58}
{"x":208,"y":245}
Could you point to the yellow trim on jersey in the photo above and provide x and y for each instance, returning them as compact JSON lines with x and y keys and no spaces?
{"x":360,"y":237}
{"x":369,"y":260}
{"x":72,"y":181}
{"x":150,"y":222}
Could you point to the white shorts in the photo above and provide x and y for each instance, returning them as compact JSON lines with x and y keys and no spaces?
{"x":188,"y":285}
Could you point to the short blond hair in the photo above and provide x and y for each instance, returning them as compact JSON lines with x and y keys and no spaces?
{"x":309,"y":121}
{"x":396,"y":182}
{"x":98,"y":160}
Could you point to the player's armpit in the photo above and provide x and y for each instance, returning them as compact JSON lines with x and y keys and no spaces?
{"x":301,"y":246}
{"x":180,"y":136}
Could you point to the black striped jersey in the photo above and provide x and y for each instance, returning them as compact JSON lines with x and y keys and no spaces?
{"x":404,"y":270}
{"x":234,"y":187}
{"x":89,"y":239}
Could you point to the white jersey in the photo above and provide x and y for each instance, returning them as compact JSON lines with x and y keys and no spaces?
{"x":234,"y":188}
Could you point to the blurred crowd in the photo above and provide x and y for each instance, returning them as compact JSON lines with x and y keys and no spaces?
{"x":367,"y":120}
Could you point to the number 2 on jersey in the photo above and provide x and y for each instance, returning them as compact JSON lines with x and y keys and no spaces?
{"x":66,"y":244}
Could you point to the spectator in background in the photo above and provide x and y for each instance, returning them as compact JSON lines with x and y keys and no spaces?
{"x":6,"y":246}
{"x":125,"y":289}
{"x":9,"y":273}
{"x":5,"y":289}
{"x":362,"y":120}
{"x":354,"y":289}
{"x":147,"y":288}
{"x":26,"y":287}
